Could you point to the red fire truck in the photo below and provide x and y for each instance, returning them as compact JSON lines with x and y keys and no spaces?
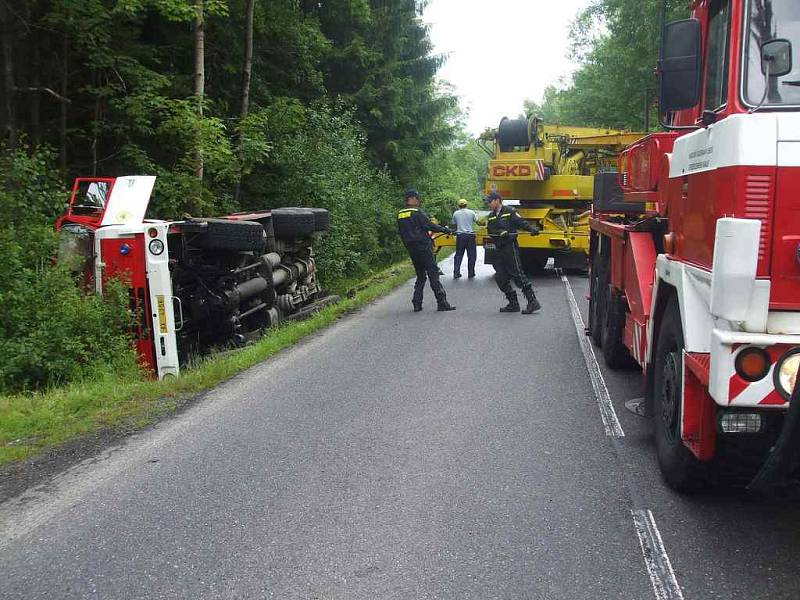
{"x":195,"y":284}
{"x":695,"y":262}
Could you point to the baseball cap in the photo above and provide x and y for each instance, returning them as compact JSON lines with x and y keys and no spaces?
{"x":410,"y":193}
{"x":462,"y":202}
{"x":492,"y":196}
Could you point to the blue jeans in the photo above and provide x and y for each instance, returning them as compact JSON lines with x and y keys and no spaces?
{"x":465,"y":242}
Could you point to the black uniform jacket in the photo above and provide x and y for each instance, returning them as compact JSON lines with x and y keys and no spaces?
{"x":414,"y":225}
{"x":504,"y":225}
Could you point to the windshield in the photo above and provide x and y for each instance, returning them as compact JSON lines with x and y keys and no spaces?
{"x":768,"y":20}
{"x":90,"y":197}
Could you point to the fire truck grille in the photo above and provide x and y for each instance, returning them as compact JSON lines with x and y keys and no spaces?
{"x":758,"y":205}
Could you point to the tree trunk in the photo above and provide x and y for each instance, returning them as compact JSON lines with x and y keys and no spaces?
{"x":96,"y":122}
{"x":62,"y":121}
{"x":6,"y":43}
{"x":36,"y":100}
{"x":247,"y":71}
{"x":199,"y":77}
{"x":248,"y":58}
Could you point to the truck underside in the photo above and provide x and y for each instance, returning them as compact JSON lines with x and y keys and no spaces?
{"x":198,"y":284}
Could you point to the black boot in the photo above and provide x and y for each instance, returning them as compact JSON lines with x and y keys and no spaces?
{"x":417,"y":306}
{"x":444,"y":305}
{"x":533,"y":303}
{"x":513,"y":304}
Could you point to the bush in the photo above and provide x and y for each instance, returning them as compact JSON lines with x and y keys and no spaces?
{"x":51,"y":332}
{"x":318,"y":159}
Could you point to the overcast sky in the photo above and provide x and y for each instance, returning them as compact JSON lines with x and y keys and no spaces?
{"x":501,"y":51}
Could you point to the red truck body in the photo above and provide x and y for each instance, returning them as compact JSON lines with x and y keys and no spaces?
{"x":197,"y":284}
{"x":702,"y":289}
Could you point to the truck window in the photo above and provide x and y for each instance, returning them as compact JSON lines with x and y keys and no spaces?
{"x":768,"y":20}
{"x":717,"y":59}
{"x":90,"y":197}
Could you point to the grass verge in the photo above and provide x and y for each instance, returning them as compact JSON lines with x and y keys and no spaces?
{"x":33,"y":423}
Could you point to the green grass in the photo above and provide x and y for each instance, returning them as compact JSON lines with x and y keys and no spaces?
{"x":33,"y":423}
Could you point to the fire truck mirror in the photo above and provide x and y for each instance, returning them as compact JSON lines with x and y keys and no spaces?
{"x":776,"y":57}
{"x":680,"y":66}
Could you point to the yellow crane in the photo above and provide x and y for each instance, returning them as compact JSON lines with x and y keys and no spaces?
{"x":550,"y":171}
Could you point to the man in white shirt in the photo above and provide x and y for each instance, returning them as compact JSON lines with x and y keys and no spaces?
{"x":464,"y":218}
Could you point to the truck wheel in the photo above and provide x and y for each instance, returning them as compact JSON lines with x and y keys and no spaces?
{"x":597,"y":297}
{"x":615,"y":353}
{"x":238,"y":236}
{"x":322,"y":219}
{"x":533,"y":262}
{"x":680,"y":469}
{"x":293,"y":222}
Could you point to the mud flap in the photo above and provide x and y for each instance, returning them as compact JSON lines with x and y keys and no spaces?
{"x":781,"y":466}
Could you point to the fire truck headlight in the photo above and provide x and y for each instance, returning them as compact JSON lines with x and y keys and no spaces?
{"x":156,"y":247}
{"x":786,"y":373}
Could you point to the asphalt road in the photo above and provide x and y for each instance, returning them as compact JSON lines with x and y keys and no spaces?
{"x":399,"y":455}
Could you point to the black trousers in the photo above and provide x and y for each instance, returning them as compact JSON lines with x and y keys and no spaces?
{"x":465,"y":242}
{"x":508,"y":268}
{"x":426,"y":268}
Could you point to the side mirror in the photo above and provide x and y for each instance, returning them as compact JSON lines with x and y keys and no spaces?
{"x":679,"y":67}
{"x":776,"y":56}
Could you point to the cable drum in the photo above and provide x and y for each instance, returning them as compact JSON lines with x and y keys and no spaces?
{"x":513,"y":133}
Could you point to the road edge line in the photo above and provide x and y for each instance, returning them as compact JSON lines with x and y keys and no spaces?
{"x":608,"y":414}
{"x":659,"y":567}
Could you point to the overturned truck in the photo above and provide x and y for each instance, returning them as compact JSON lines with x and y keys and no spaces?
{"x":194,"y":284}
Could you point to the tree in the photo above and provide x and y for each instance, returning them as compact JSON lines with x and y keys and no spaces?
{"x":616,"y":44}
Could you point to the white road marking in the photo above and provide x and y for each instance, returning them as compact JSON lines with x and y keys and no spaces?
{"x":607,"y":412}
{"x":658,"y":565}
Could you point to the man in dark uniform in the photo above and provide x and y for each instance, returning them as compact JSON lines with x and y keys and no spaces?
{"x":502,"y":225}
{"x":414,"y":225}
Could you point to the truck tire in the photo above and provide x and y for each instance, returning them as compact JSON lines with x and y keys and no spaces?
{"x":322,"y":219}
{"x":236,"y":236}
{"x":293,"y":222}
{"x":615,"y":354}
{"x":513,"y":133}
{"x":597,"y":298}
{"x":679,"y":467}
{"x":533,"y":261}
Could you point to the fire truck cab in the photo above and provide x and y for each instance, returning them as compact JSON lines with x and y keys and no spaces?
{"x":695,"y":273}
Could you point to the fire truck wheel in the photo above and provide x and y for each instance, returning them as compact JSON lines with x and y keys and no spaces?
{"x":322,"y":219}
{"x":597,"y":298}
{"x":615,"y":353}
{"x":293,"y":222}
{"x":680,"y":469}
{"x":240,"y":236}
